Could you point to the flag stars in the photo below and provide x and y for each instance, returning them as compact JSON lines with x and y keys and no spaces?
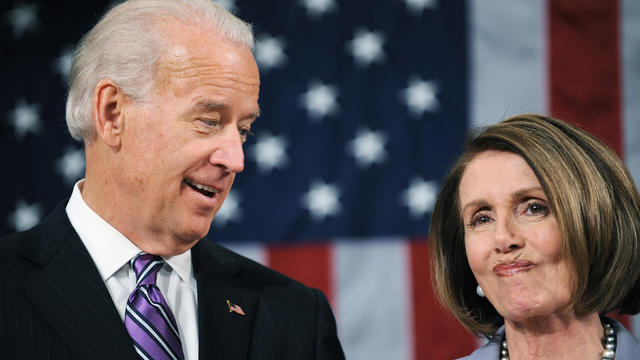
{"x":25,"y":215}
{"x":420,"y":96}
{"x":366,"y":47}
{"x":368,"y":147}
{"x":317,"y":8}
{"x":23,"y":18}
{"x":416,"y":7}
{"x":419,"y":197}
{"x":322,"y":200}
{"x":269,"y":52}
{"x":25,"y":118}
{"x":62,"y":64}
{"x":269,"y":152}
{"x":71,"y":164}
{"x":320,"y":100}
{"x":230,"y":210}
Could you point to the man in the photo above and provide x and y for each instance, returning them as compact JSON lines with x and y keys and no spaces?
{"x":163,"y":94}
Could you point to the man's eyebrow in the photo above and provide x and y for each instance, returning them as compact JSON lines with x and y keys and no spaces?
{"x":254,"y":115}
{"x":209,"y":106}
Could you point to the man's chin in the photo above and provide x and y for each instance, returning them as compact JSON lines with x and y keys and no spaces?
{"x":194,"y":235}
{"x":192,"y":224}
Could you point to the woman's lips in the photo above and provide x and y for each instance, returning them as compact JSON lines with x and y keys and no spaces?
{"x":512,"y":268}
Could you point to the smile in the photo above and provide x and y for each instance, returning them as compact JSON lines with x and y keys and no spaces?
{"x":512,"y":268}
{"x":205,"y":190}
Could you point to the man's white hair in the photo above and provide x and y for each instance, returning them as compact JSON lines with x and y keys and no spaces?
{"x":125,"y":46}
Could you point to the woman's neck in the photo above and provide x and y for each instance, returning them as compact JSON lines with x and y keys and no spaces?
{"x":559,"y":336}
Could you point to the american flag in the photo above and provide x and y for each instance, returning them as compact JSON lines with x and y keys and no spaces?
{"x":364,"y":104}
{"x":235,"y":308}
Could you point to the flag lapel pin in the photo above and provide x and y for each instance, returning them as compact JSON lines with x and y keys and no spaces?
{"x":235,"y":308}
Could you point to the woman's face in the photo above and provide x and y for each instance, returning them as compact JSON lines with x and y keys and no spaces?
{"x":512,"y":238}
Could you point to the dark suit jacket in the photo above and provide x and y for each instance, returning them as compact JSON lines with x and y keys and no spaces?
{"x":54,"y":304}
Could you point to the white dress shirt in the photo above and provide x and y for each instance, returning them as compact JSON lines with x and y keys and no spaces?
{"x":111,"y":252}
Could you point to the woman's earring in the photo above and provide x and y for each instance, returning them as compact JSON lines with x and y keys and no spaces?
{"x":479,"y":291}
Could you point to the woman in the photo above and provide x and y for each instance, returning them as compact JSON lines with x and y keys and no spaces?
{"x":535,"y":235}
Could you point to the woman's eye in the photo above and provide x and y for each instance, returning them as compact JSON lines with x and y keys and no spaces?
{"x":482,"y":219}
{"x":479,"y":219}
{"x":537,"y":209}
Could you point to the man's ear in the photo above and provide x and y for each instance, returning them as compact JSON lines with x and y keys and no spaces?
{"x":108,"y":115}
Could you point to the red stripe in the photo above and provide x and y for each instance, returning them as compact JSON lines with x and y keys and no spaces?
{"x":308,"y":263}
{"x":438,"y":335}
{"x":584,"y":66}
{"x":585,"y":70}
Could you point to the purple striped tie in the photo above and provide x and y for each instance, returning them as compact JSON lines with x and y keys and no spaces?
{"x":148,"y":317}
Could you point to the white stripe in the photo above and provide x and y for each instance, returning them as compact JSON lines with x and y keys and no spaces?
{"x":155,"y":335}
{"x":372,"y":299}
{"x":253,"y":251}
{"x":142,"y":355}
{"x":631,"y":84}
{"x":146,"y":270}
{"x":630,"y":30}
{"x":508,"y":71}
{"x":161,"y":308}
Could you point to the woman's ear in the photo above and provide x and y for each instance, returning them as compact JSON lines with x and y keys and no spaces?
{"x":108,"y":117}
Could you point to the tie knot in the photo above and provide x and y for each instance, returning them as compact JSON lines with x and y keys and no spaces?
{"x":146,"y":267}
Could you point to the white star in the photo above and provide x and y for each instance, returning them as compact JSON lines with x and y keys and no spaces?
{"x":322,"y":200}
{"x":25,"y":216}
{"x":269,"y":52}
{"x":230,"y":210}
{"x":416,"y":7}
{"x":366,"y":47}
{"x":320,"y":100}
{"x":368,"y":147}
{"x":230,"y":5}
{"x":269,"y":152}
{"x":62,"y":65}
{"x":25,"y":118}
{"x":23,"y":18}
{"x":420,"y":197}
{"x":71,"y":164}
{"x":420,"y":96}
{"x":317,"y":8}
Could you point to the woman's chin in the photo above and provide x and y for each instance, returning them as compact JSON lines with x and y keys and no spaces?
{"x":521,"y":309}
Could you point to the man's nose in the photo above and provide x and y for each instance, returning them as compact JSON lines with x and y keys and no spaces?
{"x":228,"y":152}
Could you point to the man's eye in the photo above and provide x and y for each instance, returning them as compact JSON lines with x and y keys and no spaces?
{"x":245,"y":133}
{"x":208,"y":122}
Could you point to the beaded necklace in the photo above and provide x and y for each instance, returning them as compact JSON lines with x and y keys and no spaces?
{"x":609,"y":343}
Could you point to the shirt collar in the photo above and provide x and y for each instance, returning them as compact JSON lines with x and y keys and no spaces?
{"x":109,"y":249}
{"x":181,"y":264}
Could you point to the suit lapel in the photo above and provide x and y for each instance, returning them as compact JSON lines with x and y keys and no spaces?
{"x":64,"y":285}
{"x":223,"y":334}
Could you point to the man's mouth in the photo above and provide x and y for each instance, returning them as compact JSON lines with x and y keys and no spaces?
{"x":205,"y":190}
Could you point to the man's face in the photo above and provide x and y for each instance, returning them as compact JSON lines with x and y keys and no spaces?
{"x":181,"y":150}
